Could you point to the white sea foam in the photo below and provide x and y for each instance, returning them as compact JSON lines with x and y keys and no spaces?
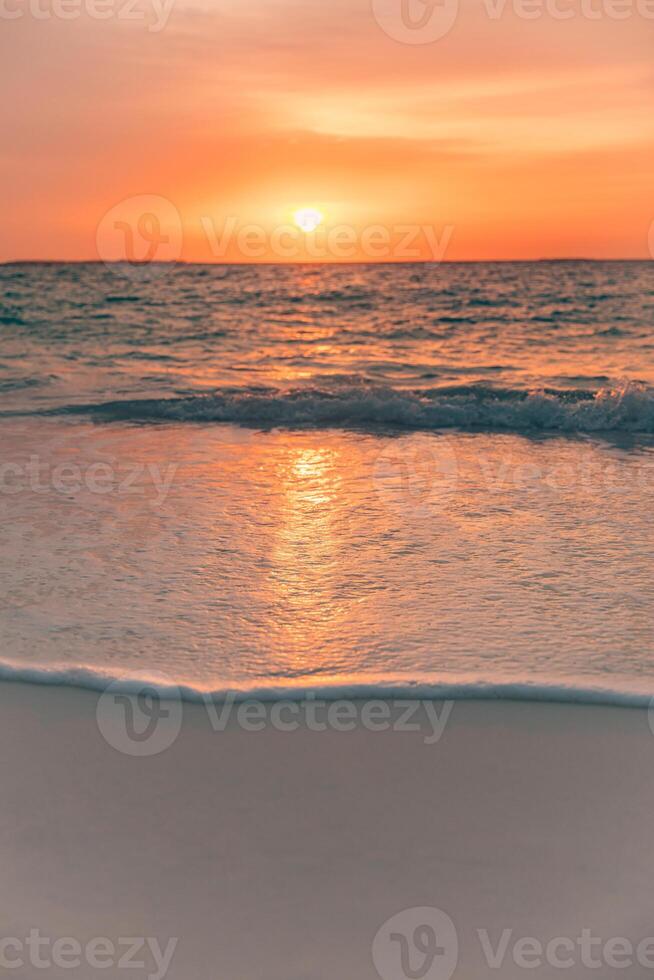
{"x":565,"y":692}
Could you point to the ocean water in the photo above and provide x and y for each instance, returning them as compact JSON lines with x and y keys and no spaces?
{"x":342,"y":478}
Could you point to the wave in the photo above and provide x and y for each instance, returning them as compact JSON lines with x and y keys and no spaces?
{"x":557,"y":692}
{"x":627,"y":407}
{"x":16,"y":384}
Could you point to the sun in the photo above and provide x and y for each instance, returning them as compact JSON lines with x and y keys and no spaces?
{"x":308,"y":219}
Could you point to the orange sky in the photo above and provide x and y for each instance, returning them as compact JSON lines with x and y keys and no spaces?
{"x":508,"y":137}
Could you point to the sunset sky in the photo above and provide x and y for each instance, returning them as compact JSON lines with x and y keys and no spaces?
{"x":526,"y":138}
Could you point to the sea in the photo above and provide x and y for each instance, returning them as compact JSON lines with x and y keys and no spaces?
{"x":337,"y":479}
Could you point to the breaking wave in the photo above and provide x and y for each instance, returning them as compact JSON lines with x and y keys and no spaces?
{"x":628,"y":407}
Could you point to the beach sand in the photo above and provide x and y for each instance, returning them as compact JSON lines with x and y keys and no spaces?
{"x":280,"y":855}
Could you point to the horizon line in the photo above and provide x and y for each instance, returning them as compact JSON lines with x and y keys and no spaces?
{"x":403,"y":262}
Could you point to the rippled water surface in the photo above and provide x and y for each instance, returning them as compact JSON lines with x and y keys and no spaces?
{"x":76,"y":334}
{"x":260,"y":477}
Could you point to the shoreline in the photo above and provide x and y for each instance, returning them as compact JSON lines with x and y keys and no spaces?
{"x":449,"y":688}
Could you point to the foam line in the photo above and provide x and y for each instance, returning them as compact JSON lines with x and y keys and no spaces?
{"x":556,"y":692}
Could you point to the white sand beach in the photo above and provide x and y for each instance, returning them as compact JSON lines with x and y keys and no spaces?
{"x":280,"y":855}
